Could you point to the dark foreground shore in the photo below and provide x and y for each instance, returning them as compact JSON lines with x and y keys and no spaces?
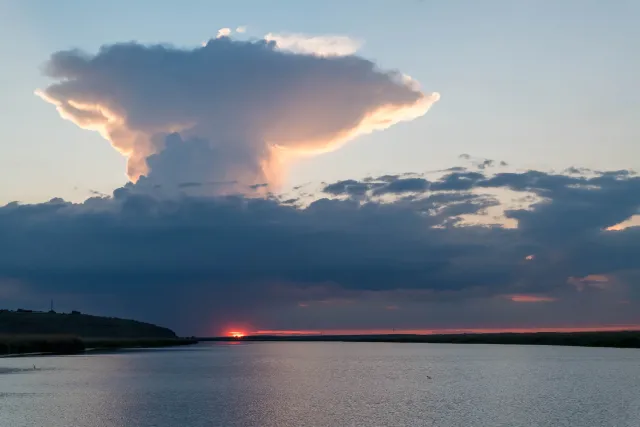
{"x":16,"y":345}
{"x":621,"y":339}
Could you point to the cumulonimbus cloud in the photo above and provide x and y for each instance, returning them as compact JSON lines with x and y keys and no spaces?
{"x":233,"y":111}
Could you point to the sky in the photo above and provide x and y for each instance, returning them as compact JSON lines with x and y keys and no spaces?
{"x":416,"y":165}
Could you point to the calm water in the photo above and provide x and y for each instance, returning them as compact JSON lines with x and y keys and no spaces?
{"x":326,"y":384}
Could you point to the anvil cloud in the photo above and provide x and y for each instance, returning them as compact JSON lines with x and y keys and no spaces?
{"x":228,"y":111}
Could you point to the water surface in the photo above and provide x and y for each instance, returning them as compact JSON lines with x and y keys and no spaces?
{"x":326,"y":384}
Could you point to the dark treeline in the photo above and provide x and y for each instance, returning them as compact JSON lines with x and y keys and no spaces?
{"x":27,"y":331}
{"x":621,"y":339}
{"x":27,"y":322}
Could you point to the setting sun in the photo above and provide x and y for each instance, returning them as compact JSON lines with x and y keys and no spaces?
{"x":236,"y":334}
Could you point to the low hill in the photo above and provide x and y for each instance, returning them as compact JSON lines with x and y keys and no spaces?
{"x":23,"y":322}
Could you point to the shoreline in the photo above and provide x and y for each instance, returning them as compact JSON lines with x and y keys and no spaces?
{"x":608,"y":339}
{"x":69,"y":346}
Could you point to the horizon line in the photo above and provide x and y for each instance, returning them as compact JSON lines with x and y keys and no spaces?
{"x":444,"y":331}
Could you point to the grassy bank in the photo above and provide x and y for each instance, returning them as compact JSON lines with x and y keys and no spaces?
{"x":621,"y":339}
{"x":11,"y":345}
{"x":49,"y":344}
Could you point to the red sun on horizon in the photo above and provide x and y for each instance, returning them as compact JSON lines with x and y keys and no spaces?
{"x":236,"y":334}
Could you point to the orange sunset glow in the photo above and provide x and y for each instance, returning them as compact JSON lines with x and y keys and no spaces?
{"x":530,"y":298}
{"x":236,"y":334}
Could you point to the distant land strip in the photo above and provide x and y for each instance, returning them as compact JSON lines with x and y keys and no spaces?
{"x":617,"y":339}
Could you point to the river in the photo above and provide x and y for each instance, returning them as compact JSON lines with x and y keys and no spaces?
{"x":326,"y":384}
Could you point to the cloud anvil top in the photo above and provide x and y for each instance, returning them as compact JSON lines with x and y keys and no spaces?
{"x":228,"y":111}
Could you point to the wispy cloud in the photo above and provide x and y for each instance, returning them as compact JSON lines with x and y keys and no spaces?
{"x":223,"y":32}
{"x":530,"y":298}
{"x":315,"y":45}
